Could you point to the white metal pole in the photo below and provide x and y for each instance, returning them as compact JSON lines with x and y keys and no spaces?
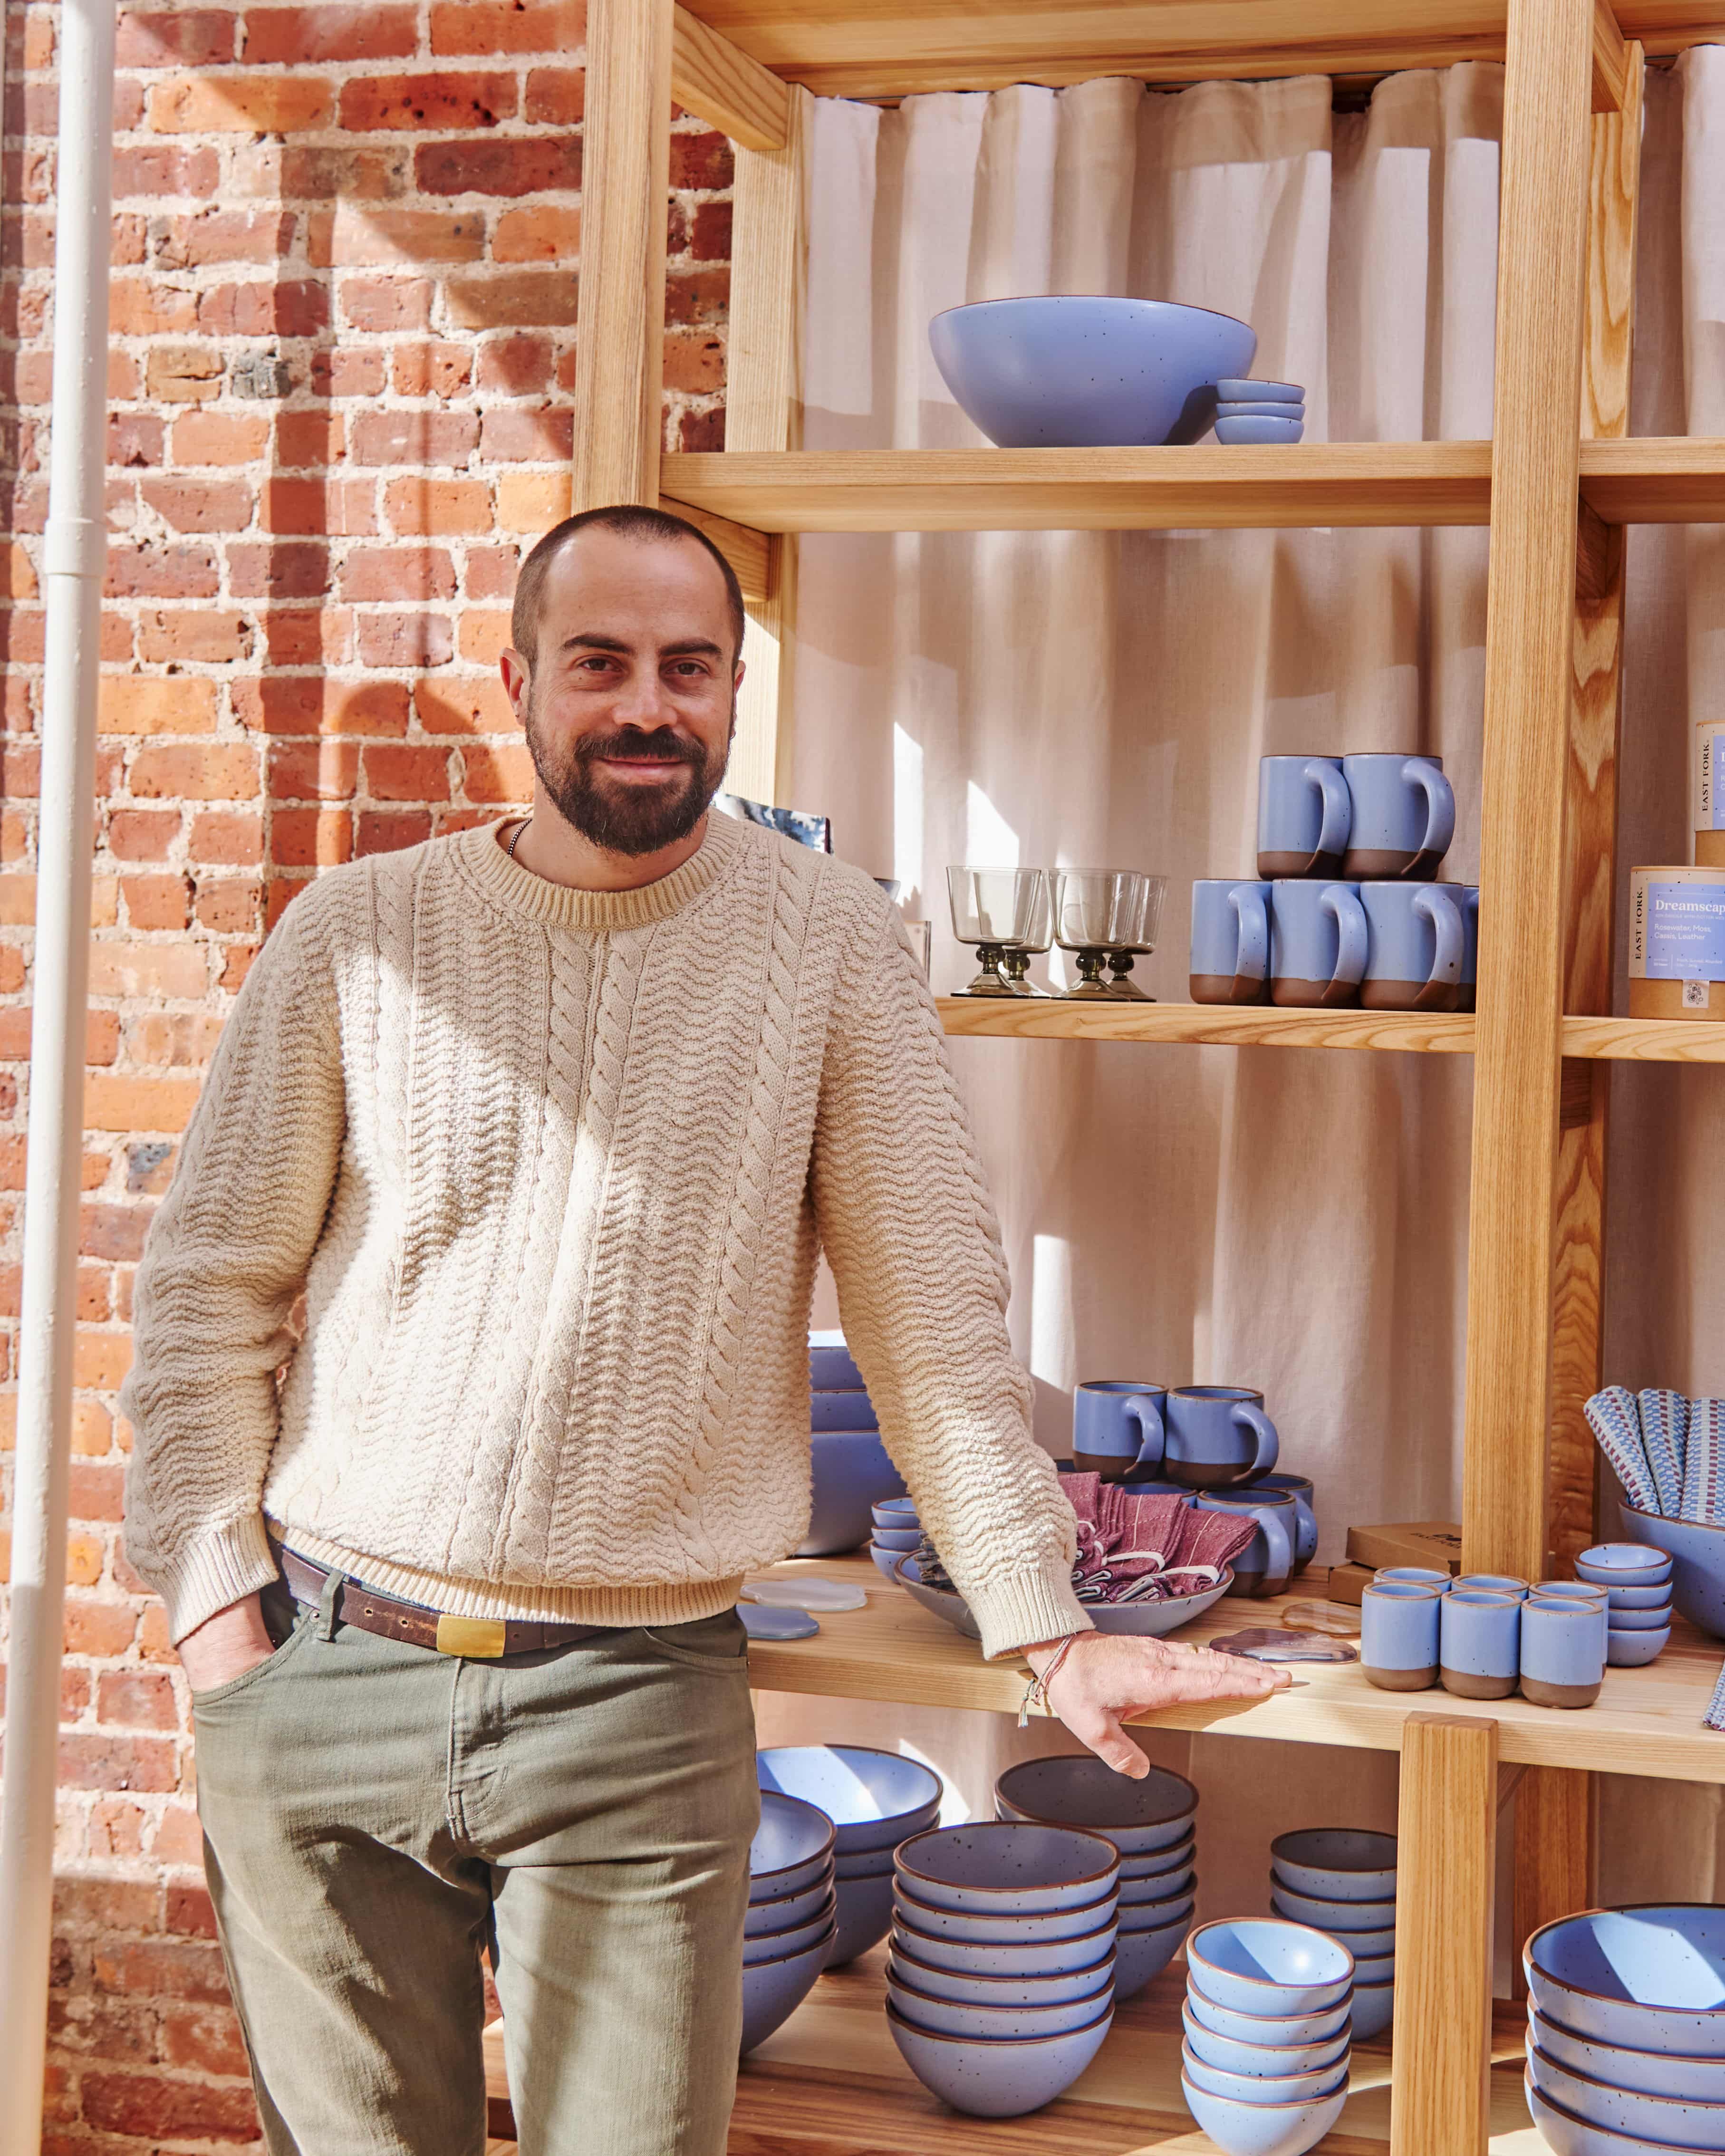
{"x":73,"y":558}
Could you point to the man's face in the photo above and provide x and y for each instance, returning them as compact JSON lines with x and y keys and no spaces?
{"x":629,"y":704}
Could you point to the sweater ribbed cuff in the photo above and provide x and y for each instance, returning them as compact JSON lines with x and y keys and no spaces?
{"x":1026,"y":1608}
{"x":221,"y":1566}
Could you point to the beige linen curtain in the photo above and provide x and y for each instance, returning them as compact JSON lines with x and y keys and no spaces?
{"x":1295,"y":1221}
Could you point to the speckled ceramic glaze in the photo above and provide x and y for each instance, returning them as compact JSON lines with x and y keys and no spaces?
{"x":1653,"y":2073}
{"x":1257,"y":2088}
{"x":793,"y":1846}
{"x":1233,"y":2056}
{"x":949,"y":2017}
{"x":1329,"y":1915}
{"x":1566,"y":2135}
{"x":1036,"y":1957}
{"x":993,"y":2079}
{"x":779,"y":1945}
{"x":831,"y":1366}
{"x":1247,"y":429}
{"x":1260,"y":1965}
{"x":1336,"y":1863}
{"x":1139,"y":1955}
{"x":1076,"y":1789}
{"x":865,"y":1915}
{"x":1372,"y":2010}
{"x":1139,"y":1896}
{"x":1562,"y":1651}
{"x":963,"y":1989}
{"x":1651,"y":1977}
{"x":1624,"y":1565}
{"x":1633,"y":1651}
{"x":1362,"y":1945}
{"x":1263,"y":2129}
{"x":841,"y":1411}
{"x":773,"y":1990}
{"x":1076,"y":372}
{"x":1479,"y":1654}
{"x":1007,"y":1867}
{"x":1267,"y":2031}
{"x":1640,"y":1621}
{"x":1656,"y":1597}
{"x":1010,"y":1930}
{"x":952,"y":1607}
{"x":1697,"y":1555}
{"x":876,"y":1799}
{"x":1673,"y":2121}
{"x":1157,"y":1863}
{"x":850,"y":1473}
{"x":785,"y":1910}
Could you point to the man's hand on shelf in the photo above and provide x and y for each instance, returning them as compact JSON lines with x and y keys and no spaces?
{"x":1105,"y":1676}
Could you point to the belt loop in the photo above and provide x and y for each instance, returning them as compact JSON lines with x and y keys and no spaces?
{"x":333,"y":1583}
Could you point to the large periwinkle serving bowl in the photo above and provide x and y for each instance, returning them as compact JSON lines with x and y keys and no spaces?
{"x":1263,"y":2129}
{"x":1336,"y":1863}
{"x":781,"y":1945}
{"x":1000,"y":2025}
{"x":1038,"y":1958}
{"x":1651,"y":1977}
{"x":793,"y":1847}
{"x":993,"y":2079}
{"x":1264,"y":1965}
{"x":1019,"y":1927}
{"x":1667,"y":2122}
{"x":1076,"y":1788}
{"x":1567,"y":2135}
{"x":851,"y":1474}
{"x":875,"y":1799}
{"x":865,"y":1915}
{"x":964,"y":1988}
{"x":1072,"y":373}
{"x":773,"y":1990}
{"x":1697,"y":1555}
{"x":1652,"y":2073}
{"x":1007,"y":1868}
{"x":1140,"y":1954}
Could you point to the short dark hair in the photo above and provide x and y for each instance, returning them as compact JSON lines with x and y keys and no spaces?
{"x":628,"y":521}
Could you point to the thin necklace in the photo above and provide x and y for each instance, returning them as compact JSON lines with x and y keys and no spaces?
{"x":516,"y":839}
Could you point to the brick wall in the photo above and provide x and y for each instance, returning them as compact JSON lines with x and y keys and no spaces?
{"x":345,"y":246}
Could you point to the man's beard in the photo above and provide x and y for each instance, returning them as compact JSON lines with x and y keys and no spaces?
{"x":613,"y":813}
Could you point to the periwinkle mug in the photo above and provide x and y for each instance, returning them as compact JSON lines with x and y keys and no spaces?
{"x":1416,"y":935}
{"x":1267,"y":1563}
{"x":1318,"y":944}
{"x":1217,"y":1436}
{"x":1404,"y":816}
{"x":1231,"y":943}
{"x":1118,"y":1427}
{"x":1305,"y":814}
{"x":1299,"y":1488}
{"x":1400,"y":1622}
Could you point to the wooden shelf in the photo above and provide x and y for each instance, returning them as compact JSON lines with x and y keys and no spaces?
{"x":1673,"y":478}
{"x":1646,"y":1722}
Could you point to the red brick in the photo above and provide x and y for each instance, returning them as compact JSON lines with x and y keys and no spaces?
{"x":99,"y":1627}
{"x":92,"y":1902}
{"x":512,"y":165}
{"x":556,"y":96}
{"x":184,"y":373}
{"x":313,"y":771}
{"x":178,"y":1839}
{"x":134,"y":439}
{"x":156,"y":704}
{"x":145,"y":970}
{"x":398,"y":574}
{"x":185,"y":1038}
{"x":702,"y":430}
{"x":484,"y":634}
{"x":139,"y":306}
{"x":224,"y":235}
{"x":191,"y":505}
{"x":520,"y":363}
{"x":386,"y":303}
{"x":142,"y":834}
{"x":701,"y":161}
{"x":313,"y":704}
{"x":513,"y":299}
{"x":230,"y":906}
{"x":265,"y":306}
{"x":138,"y":1699}
{"x":207,"y":773}
{"x":709,"y":234}
{"x":402,"y":771}
{"x":356,"y":234}
{"x":300,"y":173}
{"x":308,"y":440}
{"x":415,"y":437}
{"x":206,"y":2039}
{"x":308,"y":36}
{"x":415,"y":505}
{"x":518,"y":435}
{"x":97,"y":1491}
{"x":347,"y":371}
{"x":240,"y":103}
{"x":310,"y":837}
{"x":156,"y":569}
{"x":387,"y":833}
{"x":103,"y":2028}
{"x":497,"y":773}
{"x":163,"y":168}
{"x":308,"y":636}
{"x":546,"y":233}
{"x":96,"y":1760}
{"x":173,"y":37}
{"x":141,"y":1104}
{"x":92,"y":1425}
{"x":193,"y":634}
{"x":693,"y":362}
{"x":218,"y":438}
{"x":283,"y":569}
{"x":700,"y":296}
{"x":164,"y":901}
{"x":485,"y":28}
{"x":405,"y":640}
{"x":154,"y":2105}
{"x":437,"y":369}
{"x":226,"y":839}
{"x":426,"y":104}
{"x":21,"y":771}
{"x":341,"y":507}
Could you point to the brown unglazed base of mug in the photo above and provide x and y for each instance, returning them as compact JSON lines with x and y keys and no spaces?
{"x":1543,"y":1694}
{"x":1465,"y":1685}
{"x":1272,"y":865}
{"x":1401,"y":1680}
{"x":1255,"y":1586}
{"x":1291,"y":994}
{"x":1375,"y":865}
{"x":1410,"y":995}
{"x":1200,"y":1475}
{"x":1226,"y":989}
{"x":1112,"y":1468}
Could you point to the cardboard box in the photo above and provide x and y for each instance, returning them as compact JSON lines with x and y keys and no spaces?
{"x":1348,"y":1583}
{"x":1435,"y":1544}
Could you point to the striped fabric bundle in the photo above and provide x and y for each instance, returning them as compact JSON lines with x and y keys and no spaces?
{"x":1668,"y":1453}
{"x":1704,"y":1462}
{"x":1615,"y":1421}
{"x":1665,"y":1424}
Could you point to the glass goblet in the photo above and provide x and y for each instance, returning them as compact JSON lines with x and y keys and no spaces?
{"x":1084,"y":925}
{"x":992,"y":910}
{"x":1035,"y":940}
{"x":1137,"y":917}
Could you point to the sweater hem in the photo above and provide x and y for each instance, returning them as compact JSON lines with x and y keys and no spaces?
{"x":1026,"y":1608}
{"x":666,"y":1602}
{"x":213,"y":1571}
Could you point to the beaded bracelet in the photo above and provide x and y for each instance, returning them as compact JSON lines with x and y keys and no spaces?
{"x":1036,"y":1691}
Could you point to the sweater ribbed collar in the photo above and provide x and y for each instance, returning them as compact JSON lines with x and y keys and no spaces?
{"x":558,"y":906}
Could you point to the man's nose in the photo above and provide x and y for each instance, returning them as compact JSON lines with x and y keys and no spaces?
{"x":642,"y":701}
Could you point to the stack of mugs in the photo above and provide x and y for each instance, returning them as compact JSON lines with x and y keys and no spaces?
{"x":1264,"y":2067}
{"x":1637,"y":1581}
{"x":1000,"y":1987}
{"x":1485,"y":1636}
{"x":792,"y":1912}
{"x":875,"y":1800}
{"x":1152,"y":1822}
{"x":1341,"y":1881}
{"x":1626,"y":2031}
{"x":1345,"y":911}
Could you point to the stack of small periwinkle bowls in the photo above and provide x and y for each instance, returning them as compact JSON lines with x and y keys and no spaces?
{"x":1152,"y":1822}
{"x":1485,"y":1636}
{"x":1264,"y":2067}
{"x":1626,"y":2031}
{"x":1637,"y":1581}
{"x":875,"y":1800}
{"x":1000,"y":1986}
{"x":897,"y":1530}
{"x":792,"y":1912}
{"x":1259,"y":412}
{"x":1341,"y":1881}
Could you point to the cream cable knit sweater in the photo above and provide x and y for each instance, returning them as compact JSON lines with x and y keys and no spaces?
{"x":552,"y":1167}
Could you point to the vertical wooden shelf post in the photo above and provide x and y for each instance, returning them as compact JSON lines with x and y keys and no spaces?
{"x":1447,"y":1869}
{"x":1529,"y":636}
{"x":625,"y":192}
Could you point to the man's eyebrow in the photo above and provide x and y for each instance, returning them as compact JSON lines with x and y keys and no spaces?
{"x":691,"y":647}
{"x":687,"y":647}
{"x":593,"y":642}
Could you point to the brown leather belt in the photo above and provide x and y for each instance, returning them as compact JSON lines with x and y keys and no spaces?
{"x":481,"y":1639}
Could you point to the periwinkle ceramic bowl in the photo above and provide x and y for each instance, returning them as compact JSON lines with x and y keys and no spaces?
{"x":773,"y":1990}
{"x":1263,"y":411}
{"x":1233,"y":2057}
{"x":1265,"y":2031}
{"x":885,"y":1562}
{"x":999,"y":2025}
{"x":1566,"y":2135}
{"x":850,"y":1473}
{"x":1697,"y":1555}
{"x":1633,"y":1651}
{"x":1263,"y":2129}
{"x":1072,"y":373}
{"x":865,"y":1915}
{"x":1141,"y":1955}
{"x":1624,"y":1565}
{"x":1372,"y":2011}
{"x":1655,"y":1619}
{"x":898,"y":1540}
{"x":1137,"y":1895}
{"x":1262,"y":2088}
{"x":1651,"y":1977}
{"x":841,"y":1411}
{"x":1259,"y":432}
{"x":1336,"y":1863}
{"x":781,"y":1912}
{"x":1261,"y":1964}
{"x":1674,"y":2122}
{"x":963,"y":1989}
{"x":1007,"y":1867}
{"x":1360,"y":1945}
{"x":1234,"y":390}
{"x":831,"y":1366}
{"x":866,"y":1863}
{"x":1157,"y":1863}
{"x":793,"y":1847}
{"x":895,"y":1512}
{"x":993,"y":2079}
{"x":1062,"y":1956}
{"x":780,"y":1946}
{"x":1655,"y":1596}
{"x":1329,"y":1915}
{"x":1371,"y":1969}
{"x":1031,"y":1928}
{"x":876,"y":1799}
{"x":952,"y":1607}
{"x":1076,"y":1789}
{"x":1650,"y":2073}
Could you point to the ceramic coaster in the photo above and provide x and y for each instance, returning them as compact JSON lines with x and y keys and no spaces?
{"x":1320,"y":1617}
{"x":1665,"y":1424}
{"x":1704,"y":1462}
{"x":1263,"y":1645}
{"x":811,"y":1593}
{"x":1615,"y":1421}
{"x":776,"y":1624}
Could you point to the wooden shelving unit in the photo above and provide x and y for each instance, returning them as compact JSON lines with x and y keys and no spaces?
{"x":1555,"y":498}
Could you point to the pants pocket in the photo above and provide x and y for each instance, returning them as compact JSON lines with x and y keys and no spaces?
{"x":711,"y":1643}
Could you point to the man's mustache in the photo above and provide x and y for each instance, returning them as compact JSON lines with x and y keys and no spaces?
{"x":663,"y":745}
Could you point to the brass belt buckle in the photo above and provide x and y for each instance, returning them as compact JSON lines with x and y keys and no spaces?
{"x":481,"y":1639}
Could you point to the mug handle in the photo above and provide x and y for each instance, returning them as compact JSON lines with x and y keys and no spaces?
{"x":1350,"y":917}
{"x":1145,"y":1413}
{"x":1252,"y":958}
{"x":1247,"y":1417}
{"x":1441,"y":911}
{"x":1337,"y":806}
{"x":1273,"y":1525}
{"x":1440,"y":803}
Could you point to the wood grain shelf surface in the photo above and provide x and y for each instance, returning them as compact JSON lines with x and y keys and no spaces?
{"x":830,"y":2082}
{"x":1645,"y":1722}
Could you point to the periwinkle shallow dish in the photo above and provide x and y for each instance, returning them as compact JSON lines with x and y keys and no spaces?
{"x":1263,"y":2129}
{"x":1077,"y":1789}
{"x":1267,"y":2031}
{"x":990,"y":2080}
{"x":1157,"y":1863}
{"x":1640,"y":1621}
{"x":1262,"y":1964}
{"x":1651,"y":1977}
{"x":1567,"y":2135}
{"x":1233,"y":2057}
{"x":1624,"y":1565}
{"x":1266,"y":411}
{"x":1259,"y":432}
{"x":1656,"y":1597}
{"x":793,"y":1846}
{"x":1078,"y":372}
{"x":1138,"y":1895}
{"x":952,"y":1607}
{"x":1652,"y":2073}
{"x":1036,"y":1958}
{"x":898,"y":1540}
{"x":964,"y":1988}
{"x":885,"y":1562}
{"x":1336,"y":1863}
{"x":773,"y":1990}
{"x":1257,"y":2088}
{"x":1668,"y":2122}
{"x":996,"y":2025}
{"x":1234,"y":390}
{"x":1633,"y":1651}
{"x":1007,"y":1867}
{"x":1029,"y":1929}
{"x":1697,"y":1555}
{"x":871,"y":1796}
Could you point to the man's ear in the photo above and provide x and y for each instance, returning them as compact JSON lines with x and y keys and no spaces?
{"x":736,"y":676}
{"x":517,"y":678}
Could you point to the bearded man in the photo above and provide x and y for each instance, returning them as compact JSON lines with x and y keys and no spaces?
{"x":546,"y":1121}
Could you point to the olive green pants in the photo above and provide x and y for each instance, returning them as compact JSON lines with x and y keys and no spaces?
{"x":375,"y":1814}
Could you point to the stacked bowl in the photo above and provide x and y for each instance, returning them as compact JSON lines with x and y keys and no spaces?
{"x":1260,"y":411}
{"x":1637,"y":1581}
{"x":1626,"y":2031}
{"x":875,"y":1800}
{"x":1264,"y":2067}
{"x":1341,"y":1881}
{"x":1151,"y":1824}
{"x":850,"y":1468}
{"x":792,"y":1912}
{"x":897,"y":1532}
{"x":1000,"y":1987}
